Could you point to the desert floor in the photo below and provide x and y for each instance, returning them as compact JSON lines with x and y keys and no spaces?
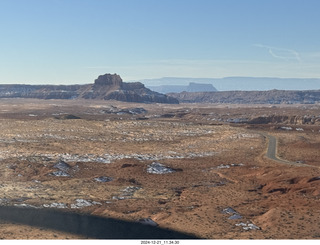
{"x":181,"y":167}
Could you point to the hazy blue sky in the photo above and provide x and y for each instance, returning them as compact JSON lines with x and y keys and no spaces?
{"x":73,"y":41}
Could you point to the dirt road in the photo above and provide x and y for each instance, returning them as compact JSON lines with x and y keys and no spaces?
{"x":272,"y":151}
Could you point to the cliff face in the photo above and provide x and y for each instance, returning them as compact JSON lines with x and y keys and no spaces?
{"x":105,"y":87}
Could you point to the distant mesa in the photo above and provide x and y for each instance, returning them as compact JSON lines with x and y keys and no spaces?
{"x":232,"y":83}
{"x":198,"y":87}
{"x":105,"y":87}
{"x":192,"y":87}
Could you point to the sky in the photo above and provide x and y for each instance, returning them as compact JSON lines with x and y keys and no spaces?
{"x":74,"y":41}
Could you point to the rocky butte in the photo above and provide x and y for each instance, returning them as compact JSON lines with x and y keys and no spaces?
{"x":111,"y":87}
{"x":105,"y":87}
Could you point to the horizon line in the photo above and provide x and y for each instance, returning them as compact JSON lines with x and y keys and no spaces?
{"x":175,"y":77}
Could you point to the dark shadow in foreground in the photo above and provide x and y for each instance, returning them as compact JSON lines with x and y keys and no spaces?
{"x":87,"y":225}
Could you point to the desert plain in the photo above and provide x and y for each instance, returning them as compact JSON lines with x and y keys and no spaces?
{"x":202,"y":170}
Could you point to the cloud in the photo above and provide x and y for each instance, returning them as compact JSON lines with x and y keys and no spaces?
{"x":281,"y":53}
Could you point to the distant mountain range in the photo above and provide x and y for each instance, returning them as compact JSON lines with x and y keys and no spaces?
{"x":234,"y":83}
{"x":111,"y":87}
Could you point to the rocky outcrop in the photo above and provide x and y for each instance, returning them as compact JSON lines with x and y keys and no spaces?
{"x":105,"y":87}
{"x":108,"y":80}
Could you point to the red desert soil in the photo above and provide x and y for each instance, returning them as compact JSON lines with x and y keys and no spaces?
{"x":89,"y":157}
